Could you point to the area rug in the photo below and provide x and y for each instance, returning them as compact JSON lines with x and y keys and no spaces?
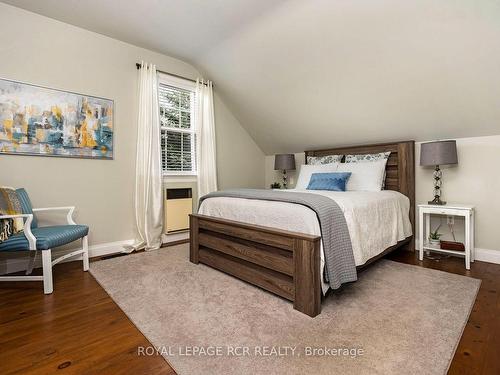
{"x":395,"y":319}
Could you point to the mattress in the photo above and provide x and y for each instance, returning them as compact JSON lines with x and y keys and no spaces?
{"x":375,"y":220}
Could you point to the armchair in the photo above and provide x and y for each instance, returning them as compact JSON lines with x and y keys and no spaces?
{"x":36,"y":238}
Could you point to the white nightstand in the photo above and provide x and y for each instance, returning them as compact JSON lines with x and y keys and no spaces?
{"x":424,"y":218}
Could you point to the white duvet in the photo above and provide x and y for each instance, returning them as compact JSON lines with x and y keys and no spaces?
{"x":376,"y":220}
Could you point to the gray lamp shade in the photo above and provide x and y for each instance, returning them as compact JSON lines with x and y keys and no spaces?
{"x":284,"y":162}
{"x":438,"y":153}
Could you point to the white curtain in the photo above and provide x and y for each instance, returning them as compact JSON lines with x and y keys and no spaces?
{"x":148,"y":172}
{"x":205,"y":139}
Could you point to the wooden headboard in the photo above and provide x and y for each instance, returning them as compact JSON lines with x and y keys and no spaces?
{"x":400,"y":168}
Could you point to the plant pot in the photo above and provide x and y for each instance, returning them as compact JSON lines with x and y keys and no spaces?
{"x":434,"y":242}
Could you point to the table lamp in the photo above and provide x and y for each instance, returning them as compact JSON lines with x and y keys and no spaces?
{"x":284,"y":162}
{"x":436,"y":154}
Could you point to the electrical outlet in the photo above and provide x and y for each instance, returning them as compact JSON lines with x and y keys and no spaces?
{"x":450,"y":220}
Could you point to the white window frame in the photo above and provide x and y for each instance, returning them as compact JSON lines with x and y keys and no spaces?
{"x":189,"y":86}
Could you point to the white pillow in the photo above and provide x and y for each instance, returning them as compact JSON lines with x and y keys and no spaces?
{"x":366,"y":176}
{"x":363,"y":158}
{"x":306,"y":170}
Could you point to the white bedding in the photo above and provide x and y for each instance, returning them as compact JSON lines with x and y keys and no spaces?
{"x":376,"y":220}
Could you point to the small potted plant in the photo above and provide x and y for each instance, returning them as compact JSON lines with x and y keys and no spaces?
{"x":434,"y":237}
{"x":275,"y":185}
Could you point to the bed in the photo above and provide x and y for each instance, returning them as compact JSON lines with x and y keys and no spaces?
{"x":248,"y":239}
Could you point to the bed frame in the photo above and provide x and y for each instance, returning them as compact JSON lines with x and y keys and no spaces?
{"x":288,"y":263}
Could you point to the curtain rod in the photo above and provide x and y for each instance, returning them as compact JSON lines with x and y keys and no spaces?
{"x":138,"y":65}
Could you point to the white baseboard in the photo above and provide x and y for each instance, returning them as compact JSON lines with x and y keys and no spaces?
{"x":108,"y":248}
{"x":173,"y":237}
{"x":14,"y":264}
{"x":488,"y":255}
{"x":18,"y":261}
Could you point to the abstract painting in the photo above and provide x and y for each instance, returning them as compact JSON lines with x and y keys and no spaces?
{"x":37,"y":120}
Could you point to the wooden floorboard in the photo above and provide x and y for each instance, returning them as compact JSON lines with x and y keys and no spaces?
{"x":80,"y":330}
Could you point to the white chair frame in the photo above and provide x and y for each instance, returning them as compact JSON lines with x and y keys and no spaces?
{"x":47,"y":262}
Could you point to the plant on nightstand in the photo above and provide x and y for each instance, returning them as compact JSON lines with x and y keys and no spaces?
{"x":434,"y":237}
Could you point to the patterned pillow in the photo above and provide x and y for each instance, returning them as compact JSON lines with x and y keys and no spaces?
{"x":328,"y":159}
{"x":10,"y":205}
{"x":367,"y":157}
{"x":334,"y":181}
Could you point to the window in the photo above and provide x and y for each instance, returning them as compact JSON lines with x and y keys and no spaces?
{"x":178,"y":138}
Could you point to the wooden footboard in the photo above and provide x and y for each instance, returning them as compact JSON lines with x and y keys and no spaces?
{"x":282,"y":262}
{"x":288,"y":263}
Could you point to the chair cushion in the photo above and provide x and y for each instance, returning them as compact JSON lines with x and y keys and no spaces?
{"x":26,"y":206}
{"x":46,"y":237}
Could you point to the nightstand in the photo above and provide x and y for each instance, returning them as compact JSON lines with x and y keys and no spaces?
{"x":424,"y":219}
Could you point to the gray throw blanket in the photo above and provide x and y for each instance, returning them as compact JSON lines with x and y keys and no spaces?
{"x":339,"y":258}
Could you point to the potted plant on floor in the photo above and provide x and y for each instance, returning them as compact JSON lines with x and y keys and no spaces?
{"x":435,"y":237}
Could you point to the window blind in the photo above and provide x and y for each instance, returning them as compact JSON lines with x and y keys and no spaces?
{"x":178,"y":139}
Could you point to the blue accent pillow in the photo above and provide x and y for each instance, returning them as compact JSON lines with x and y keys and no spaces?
{"x":334,"y":181}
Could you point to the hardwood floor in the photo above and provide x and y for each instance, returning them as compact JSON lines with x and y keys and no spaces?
{"x":80,"y":330}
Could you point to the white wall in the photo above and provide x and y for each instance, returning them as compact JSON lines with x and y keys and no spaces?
{"x":42,"y":51}
{"x":475,"y":180}
{"x":239,"y":159}
{"x":277,"y":176}
{"x":325,"y":73}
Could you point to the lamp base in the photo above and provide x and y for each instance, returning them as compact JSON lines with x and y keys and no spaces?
{"x":437,"y":188}
{"x":437,"y":201}
{"x":285,"y":179}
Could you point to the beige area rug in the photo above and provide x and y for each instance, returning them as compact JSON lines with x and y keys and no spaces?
{"x":397,"y":319}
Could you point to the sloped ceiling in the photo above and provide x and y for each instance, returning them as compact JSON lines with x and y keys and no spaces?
{"x":319,"y":73}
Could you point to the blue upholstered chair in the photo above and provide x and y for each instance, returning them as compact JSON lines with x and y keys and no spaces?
{"x":36,"y":238}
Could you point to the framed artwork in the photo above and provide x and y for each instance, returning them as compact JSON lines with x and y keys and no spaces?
{"x":37,"y":120}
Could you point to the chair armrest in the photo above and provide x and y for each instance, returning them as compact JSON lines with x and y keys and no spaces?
{"x":69,"y":216}
{"x":26,"y":229}
{"x":16,"y":216}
